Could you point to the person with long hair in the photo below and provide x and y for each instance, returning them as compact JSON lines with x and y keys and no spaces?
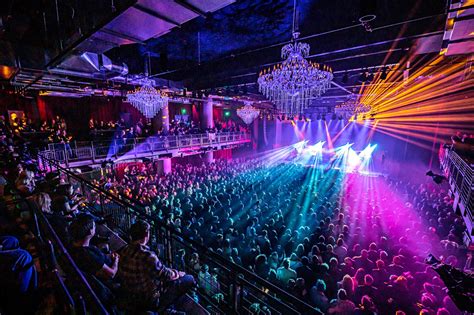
{"x":57,"y":220}
{"x":366,"y":307}
{"x":348,"y":285}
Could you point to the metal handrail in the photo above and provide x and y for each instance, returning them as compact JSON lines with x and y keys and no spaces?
{"x":462,"y":177}
{"x":78,"y":273}
{"x":139,"y":140}
{"x":71,"y":153}
{"x":54,"y":238}
{"x":242,"y":276}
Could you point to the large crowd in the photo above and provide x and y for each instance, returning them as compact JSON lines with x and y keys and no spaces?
{"x":177,"y":127}
{"x":342,"y":243}
{"x":55,"y":131}
{"x":340,"y":247}
{"x":23,"y":285}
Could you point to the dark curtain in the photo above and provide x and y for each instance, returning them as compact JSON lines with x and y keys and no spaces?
{"x":78,"y":111}
{"x":225,"y":154}
{"x":15,"y":102}
{"x":217,"y":113}
{"x":195,"y":114}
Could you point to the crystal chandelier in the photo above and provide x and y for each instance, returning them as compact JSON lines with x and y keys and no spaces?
{"x":147,"y":99}
{"x":292,"y":83}
{"x":352,"y":107}
{"x":248,"y":113}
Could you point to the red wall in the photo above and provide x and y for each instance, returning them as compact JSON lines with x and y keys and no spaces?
{"x":15,"y":102}
{"x":78,"y":111}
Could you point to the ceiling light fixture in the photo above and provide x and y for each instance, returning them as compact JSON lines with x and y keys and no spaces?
{"x":292,"y":83}
{"x":148,"y":100}
{"x":248,"y":113}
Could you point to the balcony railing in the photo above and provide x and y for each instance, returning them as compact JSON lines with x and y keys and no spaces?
{"x":97,"y":151}
{"x":231,"y":289}
{"x":73,"y":292}
{"x":460,"y":174}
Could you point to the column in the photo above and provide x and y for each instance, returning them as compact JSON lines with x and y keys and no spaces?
{"x":255,"y":133}
{"x":207,"y":121}
{"x":278,"y":127}
{"x":162,"y":121}
{"x":164,"y":166}
{"x":165,"y":118}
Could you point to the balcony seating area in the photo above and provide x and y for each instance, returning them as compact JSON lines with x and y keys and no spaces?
{"x":95,"y":152}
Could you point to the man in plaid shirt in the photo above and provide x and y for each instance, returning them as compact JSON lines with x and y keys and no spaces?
{"x":144,"y":276}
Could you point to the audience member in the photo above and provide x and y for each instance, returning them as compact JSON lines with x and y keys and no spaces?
{"x":89,"y":258}
{"x":145,"y":278}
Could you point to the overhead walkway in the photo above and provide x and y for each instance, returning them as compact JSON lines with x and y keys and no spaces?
{"x":96,"y":152}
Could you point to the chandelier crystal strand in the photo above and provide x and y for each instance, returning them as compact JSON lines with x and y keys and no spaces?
{"x":248,"y":113}
{"x":352,"y":108}
{"x":292,"y":84}
{"x":148,"y":100}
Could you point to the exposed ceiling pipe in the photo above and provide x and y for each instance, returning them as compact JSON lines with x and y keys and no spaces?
{"x":86,"y":75}
{"x":377,"y":44}
{"x":66,"y":52}
{"x":102,"y":63}
{"x":368,"y":68}
{"x":58,"y":25}
{"x":341,"y":87}
{"x":365,"y":46}
{"x":72,"y":73}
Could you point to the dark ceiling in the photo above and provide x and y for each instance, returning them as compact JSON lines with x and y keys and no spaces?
{"x":216,"y":48}
{"x":32,"y":32}
{"x":229,"y":46}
